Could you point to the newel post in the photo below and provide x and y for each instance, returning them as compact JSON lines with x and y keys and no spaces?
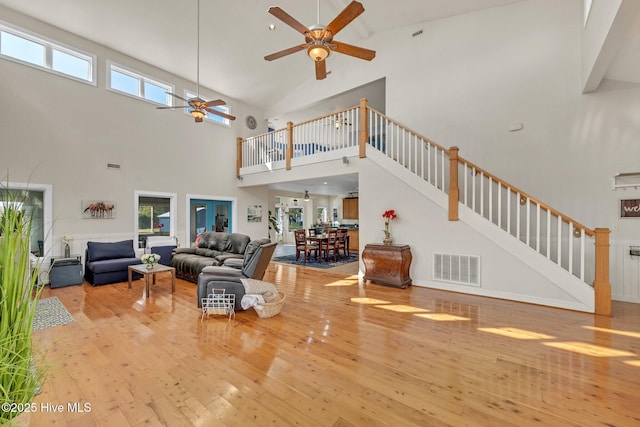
{"x":363,"y":132}
{"x":453,"y":184}
{"x":601,"y":283}
{"x":238,"y":156}
{"x":289,"y":153}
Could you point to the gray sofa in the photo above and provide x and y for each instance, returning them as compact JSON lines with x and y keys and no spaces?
{"x":213,"y":248}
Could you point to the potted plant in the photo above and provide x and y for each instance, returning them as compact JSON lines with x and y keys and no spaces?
{"x":273,"y":225}
{"x":19,"y":380}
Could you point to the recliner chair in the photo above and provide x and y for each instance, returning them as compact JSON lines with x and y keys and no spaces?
{"x":256,"y":259}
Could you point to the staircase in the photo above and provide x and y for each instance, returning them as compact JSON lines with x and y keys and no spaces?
{"x":550,"y":242}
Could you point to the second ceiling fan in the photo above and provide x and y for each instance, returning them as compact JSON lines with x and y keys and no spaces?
{"x":197,"y":106}
{"x":319,"y":41}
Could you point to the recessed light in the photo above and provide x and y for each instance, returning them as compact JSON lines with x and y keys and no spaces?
{"x":325,"y":183}
{"x":272,"y":27}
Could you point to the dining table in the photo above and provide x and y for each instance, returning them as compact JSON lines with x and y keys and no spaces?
{"x":323,"y":241}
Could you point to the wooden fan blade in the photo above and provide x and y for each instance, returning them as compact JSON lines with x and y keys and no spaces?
{"x":214,"y":103}
{"x":219,"y":113}
{"x":287,"y":19}
{"x":358,"y":52}
{"x":351,"y":12}
{"x":285,"y":52}
{"x":321,"y":70}
{"x":171,"y":108}
{"x":177,"y":96}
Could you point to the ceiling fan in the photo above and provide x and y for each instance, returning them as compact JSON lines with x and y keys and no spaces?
{"x":197,"y":106}
{"x":319,"y":41}
{"x":338,"y":121}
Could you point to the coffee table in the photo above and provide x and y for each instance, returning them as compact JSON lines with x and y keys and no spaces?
{"x":150,"y":273}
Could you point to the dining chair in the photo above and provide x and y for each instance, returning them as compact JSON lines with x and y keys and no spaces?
{"x":303,"y":245}
{"x":333,"y":244}
{"x":343,"y":241}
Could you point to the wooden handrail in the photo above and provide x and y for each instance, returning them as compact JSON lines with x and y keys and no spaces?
{"x":576,"y":224}
{"x":263,"y":134}
{"x":325,"y":116}
{"x":409,"y":130}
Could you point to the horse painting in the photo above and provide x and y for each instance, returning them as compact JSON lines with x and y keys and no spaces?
{"x":98,"y":209}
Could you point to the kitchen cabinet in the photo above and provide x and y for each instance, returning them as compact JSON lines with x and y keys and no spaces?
{"x":354,"y":239}
{"x":350,"y":208}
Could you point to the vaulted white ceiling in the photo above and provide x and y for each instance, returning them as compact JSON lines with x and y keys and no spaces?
{"x":234,"y":34}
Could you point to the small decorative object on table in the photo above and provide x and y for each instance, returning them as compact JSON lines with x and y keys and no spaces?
{"x":151,"y":260}
{"x":67,"y":249}
{"x":388,"y":216}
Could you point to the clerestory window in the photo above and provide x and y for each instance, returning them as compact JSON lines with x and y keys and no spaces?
{"x":136,"y":84}
{"x":24,"y":47}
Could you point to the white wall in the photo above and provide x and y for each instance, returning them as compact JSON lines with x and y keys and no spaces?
{"x":57,"y":131}
{"x":467,"y":78}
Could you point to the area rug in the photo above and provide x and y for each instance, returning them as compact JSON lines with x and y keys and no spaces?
{"x":49,"y":313}
{"x":311,"y":262}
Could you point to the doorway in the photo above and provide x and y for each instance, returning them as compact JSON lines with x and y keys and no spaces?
{"x":209,"y":214}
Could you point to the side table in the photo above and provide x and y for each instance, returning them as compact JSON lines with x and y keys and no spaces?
{"x":65,"y":271}
{"x":150,"y":273}
{"x":387,"y":264}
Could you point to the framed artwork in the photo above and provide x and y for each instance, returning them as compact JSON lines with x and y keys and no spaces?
{"x":254,"y":213}
{"x":630,"y":208}
{"x":98,"y":209}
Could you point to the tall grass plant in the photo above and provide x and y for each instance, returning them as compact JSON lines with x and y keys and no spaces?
{"x":19,"y":295}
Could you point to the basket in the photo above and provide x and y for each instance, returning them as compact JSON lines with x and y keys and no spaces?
{"x":270,"y":309}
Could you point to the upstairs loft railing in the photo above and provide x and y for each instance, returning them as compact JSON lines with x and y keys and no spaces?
{"x":335,"y":131}
{"x":581,"y":251}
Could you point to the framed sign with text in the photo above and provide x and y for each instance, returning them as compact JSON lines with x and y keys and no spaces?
{"x":630,"y":208}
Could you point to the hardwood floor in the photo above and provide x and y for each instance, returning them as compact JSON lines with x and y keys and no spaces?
{"x":341,"y":353}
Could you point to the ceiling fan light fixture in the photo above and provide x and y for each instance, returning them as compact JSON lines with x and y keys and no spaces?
{"x":197,"y":113}
{"x":318,"y":52}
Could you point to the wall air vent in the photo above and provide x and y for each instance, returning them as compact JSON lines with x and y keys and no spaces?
{"x":626,"y":180}
{"x":417,"y":33}
{"x":113,"y":166}
{"x":460,"y":269}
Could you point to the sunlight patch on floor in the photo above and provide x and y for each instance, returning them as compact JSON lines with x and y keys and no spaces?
{"x":399,"y":308}
{"x":635,"y":363}
{"x":371,"y":301}
{"x":614,"y":331}
{"x":343,"y":282}
{"x":441,"y":317}
{"x":520,"y":334}
{"x":588,"y":349}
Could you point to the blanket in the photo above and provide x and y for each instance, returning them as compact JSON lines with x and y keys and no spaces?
{"x":268,"y":290}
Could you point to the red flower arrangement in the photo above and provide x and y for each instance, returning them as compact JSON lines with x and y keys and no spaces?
{"x":388,"y":216}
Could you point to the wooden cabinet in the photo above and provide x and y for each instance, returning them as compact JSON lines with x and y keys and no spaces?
{"x":350,"y":208}
{"x":387,"y":264}
{"x":354,"y":239}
